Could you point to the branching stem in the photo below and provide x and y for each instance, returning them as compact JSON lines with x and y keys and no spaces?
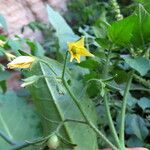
{"x":99,"y":133}
{"x":106,"y":102}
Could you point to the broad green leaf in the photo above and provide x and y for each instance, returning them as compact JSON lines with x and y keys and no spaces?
{"x":63,"y":30}
{"x":144,"y":103}
{"x":89,"y":63}
{"x":54,"y":103}
{"x":140,"y":64}
{"x":120,"y":32}
{"x":17,"y":120}
{"x":141,"y":32}
{"x":3,"y":22}
{"x":136,"y":125}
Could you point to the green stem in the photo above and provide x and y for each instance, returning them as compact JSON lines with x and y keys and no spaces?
{"x":64,"y":68}
{"x":82,"y":111}
{"x":123,"y":110}
{"x":48,"y":66}
{"x":86,"y":117}
{"x":6,"y":138}
{"x":106,"y":103}
{"x":111,"y":125}
{"x":142,"y":81}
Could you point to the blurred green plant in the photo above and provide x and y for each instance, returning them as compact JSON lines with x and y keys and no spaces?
{"x":116,"y":82}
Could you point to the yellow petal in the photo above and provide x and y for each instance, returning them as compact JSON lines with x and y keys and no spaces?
{"x":71,"y":58}
{"x":84,"y":52}
{"x":77,"y":57}
{"x":77,"y":50}
{"x":70,"y":44}
{"x":80,"y":43}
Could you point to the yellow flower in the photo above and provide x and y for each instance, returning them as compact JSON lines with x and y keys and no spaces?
{"x":10,"y":56}
{"x":2,"y":43}
{"x":21,"y":62}
{"x":77,"y":50}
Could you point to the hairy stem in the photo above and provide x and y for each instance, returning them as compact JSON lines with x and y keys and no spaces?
{"x":123,"y":110}
{"x":106,"y":103}
{"x":111,"y":124}
{"x":116,"y":7}
{"x":86,"y":117}
{"x":82,"y":111}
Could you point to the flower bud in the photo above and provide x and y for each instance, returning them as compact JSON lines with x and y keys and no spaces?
{"x":53,"y":142}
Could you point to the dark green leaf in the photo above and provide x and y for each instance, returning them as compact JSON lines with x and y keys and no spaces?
{"x":89,"y":63}
{"x":120,"y":32}
{"x":3,"y":86}
{"x":136,"y":125}
{"x":133,"y":141}
{"x":104,"y":43}
{"x":144,"y":103}
{"x":141,"y":32}
{"x":140,"y":64}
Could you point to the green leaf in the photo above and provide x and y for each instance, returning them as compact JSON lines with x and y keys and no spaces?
{"x":120,"y":32}
{"x":141,"y":32}
{"x":89,"y":63}
{"x":144,"y":103}
{"x":140,"y":64}
{"x":100,"y":29}
{"x":3,"y":22}
{"x":2,"y":68}
{"x":4,"y":75}
{"x":54,"y":103}
{"x":135,"y":125}
{"x":15,"y":46}
{"x":3,"y":86}
{"x":17,"y":120}
{"x":133,"y":141}
{"x":63,"y":30}
{"x":36,"y":48}
{"x":104,"y":43}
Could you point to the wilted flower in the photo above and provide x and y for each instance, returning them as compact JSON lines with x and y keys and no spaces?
{"x":21,"y":62}
{"x":77,"y":50}
{"x":10,"y":56}
{"x":2,"y":43}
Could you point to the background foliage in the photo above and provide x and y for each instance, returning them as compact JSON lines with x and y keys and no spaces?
{"x":128,"y":40}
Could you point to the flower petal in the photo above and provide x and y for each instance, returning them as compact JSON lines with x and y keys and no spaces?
{"x":80,"y":43}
